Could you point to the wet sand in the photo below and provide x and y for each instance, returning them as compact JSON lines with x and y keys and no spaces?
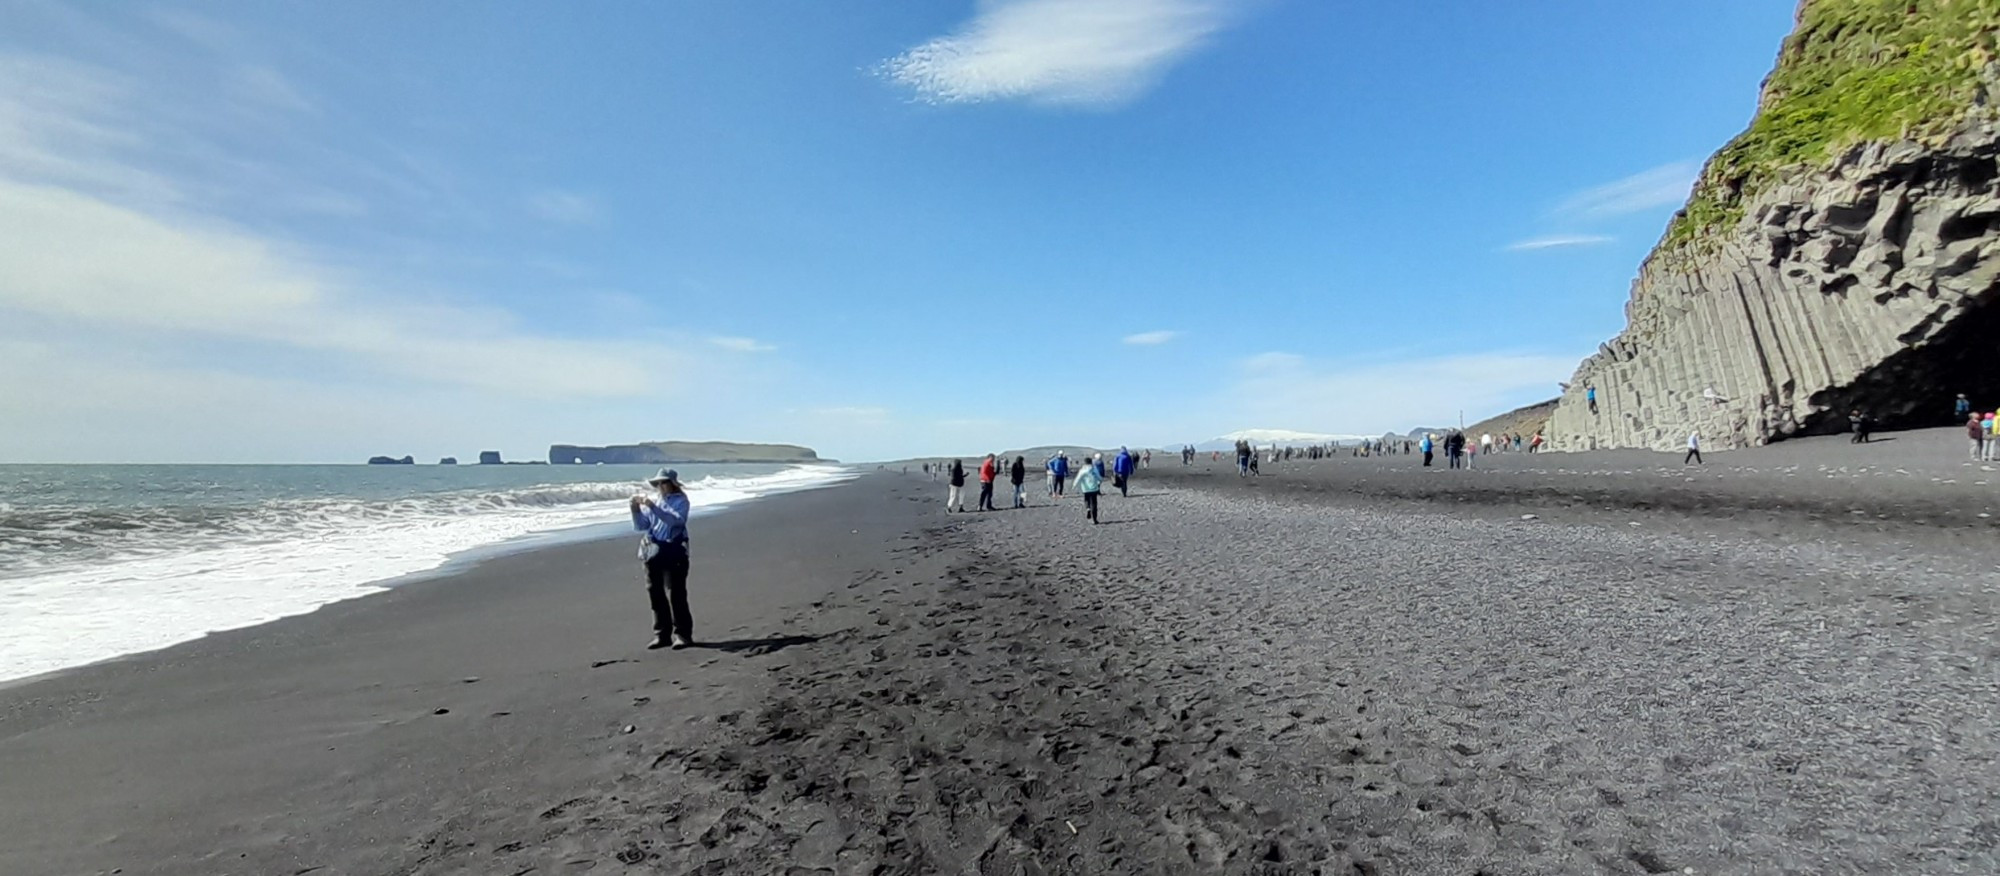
{"x":1335,"y":669}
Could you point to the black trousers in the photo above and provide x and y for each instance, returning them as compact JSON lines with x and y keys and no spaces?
{"x":1119,"y":482}
{"x":1427,"y":457}
{"x":1693,"y":456}
{"x":667,"y":589}
{"x":985,"y":495}
{"x":1090,"y":507}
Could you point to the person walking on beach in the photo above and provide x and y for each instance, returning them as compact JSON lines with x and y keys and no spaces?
{"x":1986,"y":435}
{"x":1121,"y":472}
{"x":1089,"y":482}
{"x":955,"y":500}
{"x":1961,"y":408}
{"x":1426,"y":446}
{"x":1694,"y":449}
{"x":1018,"y":475}
{"x":1977,"y":433}
{"x":1062,"y":472}
{"x":988,"y":470}
{"x":664,"y":550}
{"x":1242,"y":458}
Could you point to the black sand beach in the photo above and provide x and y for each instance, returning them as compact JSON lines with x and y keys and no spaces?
{"x":1339,"y":669}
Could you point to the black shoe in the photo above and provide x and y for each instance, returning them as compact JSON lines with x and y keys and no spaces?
{"x":659,"y":641}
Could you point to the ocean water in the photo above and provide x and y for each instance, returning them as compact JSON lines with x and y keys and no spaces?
{"x":98,"y":561}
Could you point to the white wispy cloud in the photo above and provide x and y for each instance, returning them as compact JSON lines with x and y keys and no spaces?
{"x":1557,"y":241}
{"x":1075,"y":52}
{"x":66,"y":123}
{"x":1152,"y":338}
{"x":212,"y":34}
{"x":143,"y":279}
{"x":95,"y":269}
{"x":1665,"y":186}
{"x":862,"y":413}
{"x":1272,"y":361}
{"x":269,"y":87}
{"x":741,"y":345}
{"x":565,"y":207}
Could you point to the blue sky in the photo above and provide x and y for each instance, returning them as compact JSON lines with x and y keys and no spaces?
{"x":315,"y":232}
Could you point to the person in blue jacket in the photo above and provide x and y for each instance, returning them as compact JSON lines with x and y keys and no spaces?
{"x":1121,"y":471}
{"x":1426,"y":446}
{"x":1060,"y":466}
{"x":664,"y":549}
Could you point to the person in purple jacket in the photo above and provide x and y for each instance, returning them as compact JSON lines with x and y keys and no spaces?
{"x":663,"y":518}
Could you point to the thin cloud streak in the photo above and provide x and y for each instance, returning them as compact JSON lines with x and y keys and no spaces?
{"x":1558,"y":241}
{"x":1059,"y":52}
{"x":565,"y":208}
{"x":1665,"y":186}
{"x":1151,"y":338}
{"x":741,"y":345}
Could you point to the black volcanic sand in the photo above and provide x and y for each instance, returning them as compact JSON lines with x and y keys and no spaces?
{"x":1916,"y":487}
{"x":1290,"y":677}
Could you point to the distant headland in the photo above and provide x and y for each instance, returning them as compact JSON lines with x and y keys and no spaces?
{"x":669,"y":452}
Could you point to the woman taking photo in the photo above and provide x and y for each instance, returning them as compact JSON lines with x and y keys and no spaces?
{"x":663,"y":518}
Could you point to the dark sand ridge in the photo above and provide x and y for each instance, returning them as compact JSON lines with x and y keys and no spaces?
{"x":1270,"y":681}
{"x":1914,"y":487}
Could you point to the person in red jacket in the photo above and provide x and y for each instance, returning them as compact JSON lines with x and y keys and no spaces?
{"x":987,"y":471}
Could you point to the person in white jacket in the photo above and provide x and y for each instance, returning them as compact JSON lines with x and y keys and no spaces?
{"x":1694,"y":449}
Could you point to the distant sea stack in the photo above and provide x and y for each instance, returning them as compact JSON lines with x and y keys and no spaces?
{"x":668,"y":452}
{"x":449,"y":460}
{"x":390,"y":460}
{"x":489,"y":457}
{"x":1837,"y":255}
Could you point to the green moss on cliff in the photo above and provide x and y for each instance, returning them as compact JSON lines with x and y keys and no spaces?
{"x":1853,"y":71}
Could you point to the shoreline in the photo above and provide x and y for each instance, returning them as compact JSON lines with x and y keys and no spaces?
{"x":557,"y":533}
{"x":261,"y":741}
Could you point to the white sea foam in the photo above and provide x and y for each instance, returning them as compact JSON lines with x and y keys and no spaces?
{"x":62,"y":614}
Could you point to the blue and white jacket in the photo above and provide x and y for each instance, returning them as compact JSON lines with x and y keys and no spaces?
{"x":664,"y":521}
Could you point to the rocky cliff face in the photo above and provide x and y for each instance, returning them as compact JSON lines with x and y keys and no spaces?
{"x":1864,"y":281}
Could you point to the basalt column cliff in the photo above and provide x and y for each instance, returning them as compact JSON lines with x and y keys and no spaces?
{"x":1838,"y":255}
